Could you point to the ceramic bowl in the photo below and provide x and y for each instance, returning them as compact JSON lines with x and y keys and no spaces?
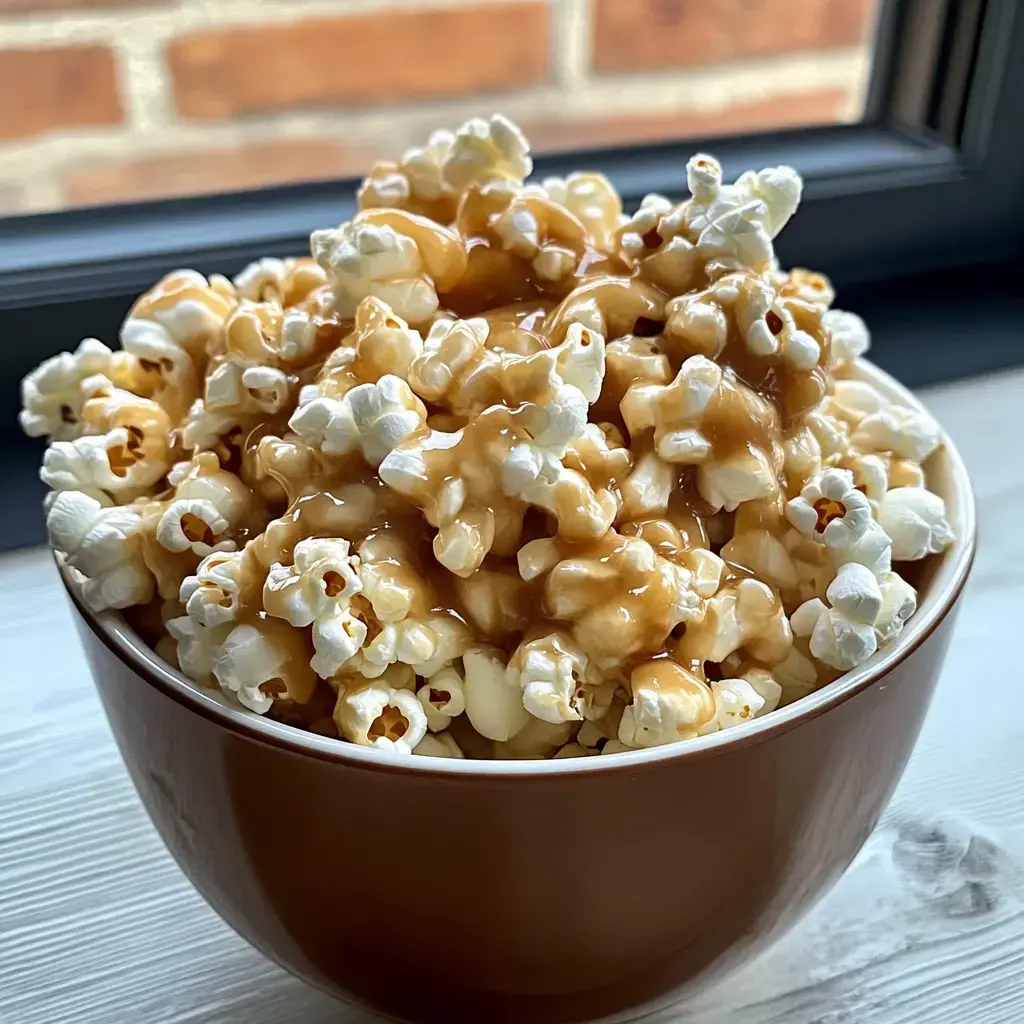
{"x":443,"y":890}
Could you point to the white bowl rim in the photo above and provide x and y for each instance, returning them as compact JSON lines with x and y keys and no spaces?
{"x":940,"y":598}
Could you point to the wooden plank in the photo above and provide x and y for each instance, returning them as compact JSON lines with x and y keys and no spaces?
{"x":98,"y":926}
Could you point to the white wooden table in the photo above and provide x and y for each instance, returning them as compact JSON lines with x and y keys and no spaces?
{"x":98,"y":926}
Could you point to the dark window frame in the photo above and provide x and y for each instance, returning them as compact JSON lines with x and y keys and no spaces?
{"x":928,"y":182}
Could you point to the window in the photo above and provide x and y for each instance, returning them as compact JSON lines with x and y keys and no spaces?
{"x":924,"y":178}
{"x":126,"y":101}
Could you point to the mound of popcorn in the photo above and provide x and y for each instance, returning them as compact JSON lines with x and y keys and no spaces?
{"x":501,"y":470}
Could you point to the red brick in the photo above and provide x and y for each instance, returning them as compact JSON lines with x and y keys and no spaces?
{"x":633,"y":35}
{"x":58,"y":87}
{"x":825,"y":106}
{"x":361,"y":59}
{"x":257,"y":165}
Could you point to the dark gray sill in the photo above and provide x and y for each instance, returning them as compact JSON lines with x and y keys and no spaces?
{"x":926,"y":329}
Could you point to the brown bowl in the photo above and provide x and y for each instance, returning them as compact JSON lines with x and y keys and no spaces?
{"x":539,"y":891}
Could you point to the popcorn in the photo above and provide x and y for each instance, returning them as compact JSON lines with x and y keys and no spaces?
{"x":535,"y":228}
{"x":203,"y":430}
{"x":495,"y":602}
{"x":536,"y":739}
{"x":379,"y":716}
{"x":506,"y":472}
{"x":736,"y":702}
{"x":125,"y":452}
{"x":183,"y":312}
{"x":570,"y":750}
{"x":843,"y":636}
{"x":899,"y":602}
{"x":619,"y":596}
{"x":211,"y":596}
{"x":455,"y":478}
{"x":487,"y":153}
{"x":870,"y":475}
{"x":438,"y":745}
{"x":195,"y":646}
{"x":371,"y":418}
{"x":286,"y":282}
{"x":258,"y":664}
{"x":398,"y":257}
{"x":316,"y":590}
{"x":381,"y":343}
{"x":743,"y":615}
{"x":809,"y":286}
{"x":592,"y":199}
{"x":611,"y":307}
{"x":850,"y":337}
{"x":686,"y":414}
{"x":764,"y":684}
{"x":915,"y":520}
{"x":102,"y":545}
{"x":832,"y":509}
{"x":907,"y":433}
{"x":768,"y":326}
{"x":632,"y":360}
{"x":852,"y":400}
{"x":697,"y":325}
{"x":52,"y":396}
{"x":796,"y":675}
{"x":669,"y":704}
{"x":641,"y":233}
{"x":735,"y":224}
{"x":552,"y":673}
{"x":443,"y":698}
{"x":453,"y":362}
{"x":675,"y":411}
{"x":208,"y":503}
{"x":864,"y":612}
{"x":494,"y":701}
{"x":415,"y":183}
{"x":399,"y":611}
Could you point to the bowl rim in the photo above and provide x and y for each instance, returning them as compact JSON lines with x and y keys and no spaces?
{"x":126,"y":645}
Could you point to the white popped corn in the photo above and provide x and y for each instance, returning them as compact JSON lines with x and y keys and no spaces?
{"x":438,"y":745}
{"x":494,"y":702}
{"x":831,"y":509}
{"x":443,"y":697}
{"x":102,"y":544}
{"x":669,"y":704}
{"x":843,"y":635}
{"x":211,"y":595}
{"x":51,"y":395}
{"x":371,"y":418}
{"x":375,"y":715}
{"x":915,"y":519}
{"x":551,"y":671}
{"x":850,"y":337}
{"x":487,"y":152}
{"x":363,"y":259}
{"x":736,"y":701}
{"x":316,"y":590}
{"x":907,"y":433}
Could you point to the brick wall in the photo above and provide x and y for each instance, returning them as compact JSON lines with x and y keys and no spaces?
{"x":122,"y":99}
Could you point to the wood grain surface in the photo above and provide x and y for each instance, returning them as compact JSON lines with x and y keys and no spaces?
{"x":98,"y":926}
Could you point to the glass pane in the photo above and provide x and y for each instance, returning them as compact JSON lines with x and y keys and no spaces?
{"x":119,"y":100}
